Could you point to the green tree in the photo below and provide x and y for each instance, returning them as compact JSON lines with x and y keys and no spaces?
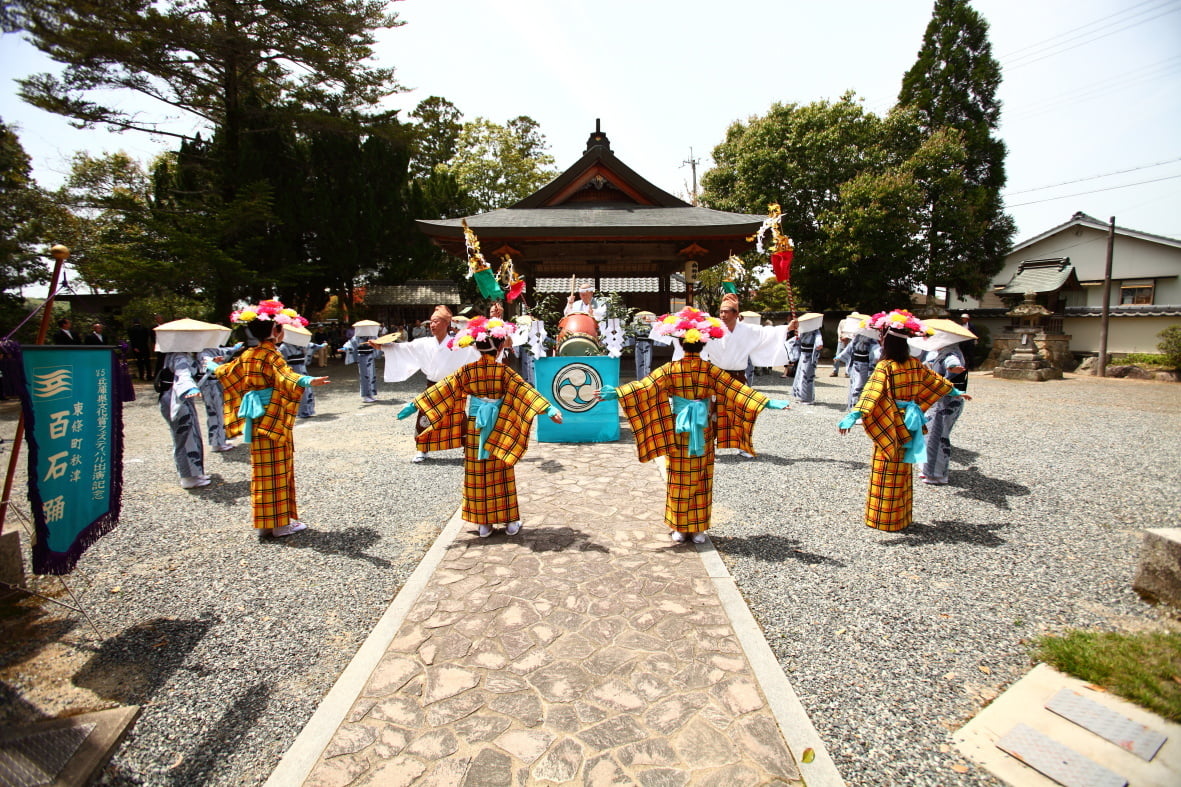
{"x":499,"y":165}
{"x":436,"y":135}
{"x":250,"y":78}
{"x":801,"y":157}
{"x":953,"y":85}
{"x":21,"y":207}
{"x":221,"y":62}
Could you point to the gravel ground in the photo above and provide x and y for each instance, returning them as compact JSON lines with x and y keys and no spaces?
{"x":891,"y":640}
{"x":229,"y":644}
{"x":894,"y":640}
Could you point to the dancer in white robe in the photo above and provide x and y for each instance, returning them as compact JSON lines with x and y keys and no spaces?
{"x":429,"y":355}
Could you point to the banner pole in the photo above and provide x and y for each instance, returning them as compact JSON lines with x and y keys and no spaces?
{"x":60,"y":255}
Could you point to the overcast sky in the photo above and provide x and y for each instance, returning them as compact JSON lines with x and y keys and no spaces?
{"x":1091,"y":93}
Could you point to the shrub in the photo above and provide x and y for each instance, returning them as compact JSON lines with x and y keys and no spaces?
{"x":1142,"y":359}
{"x":1170,"y":345}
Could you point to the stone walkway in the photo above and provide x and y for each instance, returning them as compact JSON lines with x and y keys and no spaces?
{"x":589,"y":649}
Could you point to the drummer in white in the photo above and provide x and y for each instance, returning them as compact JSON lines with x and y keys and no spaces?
{"x":431,"y":355}
{"x":585,"y":303}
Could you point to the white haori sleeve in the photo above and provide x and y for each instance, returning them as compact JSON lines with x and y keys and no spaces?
{"x":446,"y":361}
{"x":403,"y":359}
{"x":770,"y":346}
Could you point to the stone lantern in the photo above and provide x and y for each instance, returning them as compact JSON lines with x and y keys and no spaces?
{"x":1026,"y":363}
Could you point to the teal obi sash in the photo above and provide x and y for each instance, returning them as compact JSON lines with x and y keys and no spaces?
{"x":485,"y":411}
{"x":691,"y":417}
{"x":254,"y":404}
{"x":914,"y":419}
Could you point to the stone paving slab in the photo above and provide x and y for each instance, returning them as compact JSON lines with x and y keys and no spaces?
{"x":589,"y":649}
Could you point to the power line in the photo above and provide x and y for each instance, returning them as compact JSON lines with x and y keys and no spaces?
{"x":1037,"y":44}
{"x":1091,"y":177}
{"x":1070,"y":42}
{"x":1092,"y":191}
{"x":1089,"y":90}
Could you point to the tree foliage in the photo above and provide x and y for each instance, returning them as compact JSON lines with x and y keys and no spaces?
{"x":20,"y":212}
{"x":499,"y":165}
{"x":953,"y":85}
{"x":215,"y":60}
{"x":806,"y":157}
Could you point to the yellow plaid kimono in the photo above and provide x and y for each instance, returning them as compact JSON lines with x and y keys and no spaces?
{"x":489,"y":485}
{"x":890,"y":502}
{"x":272,"y":452}
{"x":688,"y":501}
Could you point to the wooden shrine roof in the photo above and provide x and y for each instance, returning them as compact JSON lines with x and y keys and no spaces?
{"x":600,"y":199}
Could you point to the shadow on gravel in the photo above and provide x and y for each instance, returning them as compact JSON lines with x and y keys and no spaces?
{"x":14,"y":709}
{"x":317,"y":418}
{"x":974,"y":486}
{"x":434,"y":461}
{"x":771,"y":548}
{"x":130,"y":667}
{"x":226,"y":491}
{"x":774,"y":459}
{"x":948,"y":532}
{"x":840,"y":408}
{"x":350,"y":543}
{"x":964,"y":456}
{"x":225,"y":737}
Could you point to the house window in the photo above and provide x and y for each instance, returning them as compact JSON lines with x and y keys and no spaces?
{"x":1136,"y":292}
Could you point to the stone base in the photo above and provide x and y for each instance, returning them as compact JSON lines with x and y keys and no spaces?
{"x":1158,"y":577}
{"x":1036,"y":375}
{"x":12,"y":566}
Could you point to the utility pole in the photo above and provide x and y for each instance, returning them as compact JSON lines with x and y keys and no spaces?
{"x":1105,"y":314}
{"x":692,"y":162}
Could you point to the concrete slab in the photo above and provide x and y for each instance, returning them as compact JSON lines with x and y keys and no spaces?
{"x":1024,"y":703}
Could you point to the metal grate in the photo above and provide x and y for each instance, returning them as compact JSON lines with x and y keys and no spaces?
{"x":1061,"y":763}
{"x":1107,"y":724}
{"x":37,"y":758}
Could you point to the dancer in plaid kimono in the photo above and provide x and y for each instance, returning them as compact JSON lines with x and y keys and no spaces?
{"x":486,"y":408}
{"x":262,"y":394}
{"x":671,"y":414}
{"x":892,"y":408}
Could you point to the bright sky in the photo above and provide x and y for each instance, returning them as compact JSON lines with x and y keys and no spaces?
{"x":1091,"y":93}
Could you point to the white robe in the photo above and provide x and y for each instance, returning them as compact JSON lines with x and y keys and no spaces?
{"x":595,"y":310}
{"x":761,"y":345}
{"x":428,"y":355}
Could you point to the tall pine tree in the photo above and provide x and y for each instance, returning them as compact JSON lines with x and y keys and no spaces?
{"x":953,"y":85}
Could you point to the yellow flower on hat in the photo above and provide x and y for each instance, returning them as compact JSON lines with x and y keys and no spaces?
{"x":464,"y":341}
{"x":714,"y":322}
{"x":669,"y":319}
{"x":494,"y":322}
{"x":247,"y":316}
{"x":289,"y":313}
{"x":692,"y":335}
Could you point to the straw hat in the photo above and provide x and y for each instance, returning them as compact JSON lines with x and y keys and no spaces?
{"x":810,"y":321}
{"x":189,"y":336}
{"x":950,"y":326}
{"x":297,"y":335}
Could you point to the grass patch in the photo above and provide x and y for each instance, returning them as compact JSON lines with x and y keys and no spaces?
{"x":1144,"y":668}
